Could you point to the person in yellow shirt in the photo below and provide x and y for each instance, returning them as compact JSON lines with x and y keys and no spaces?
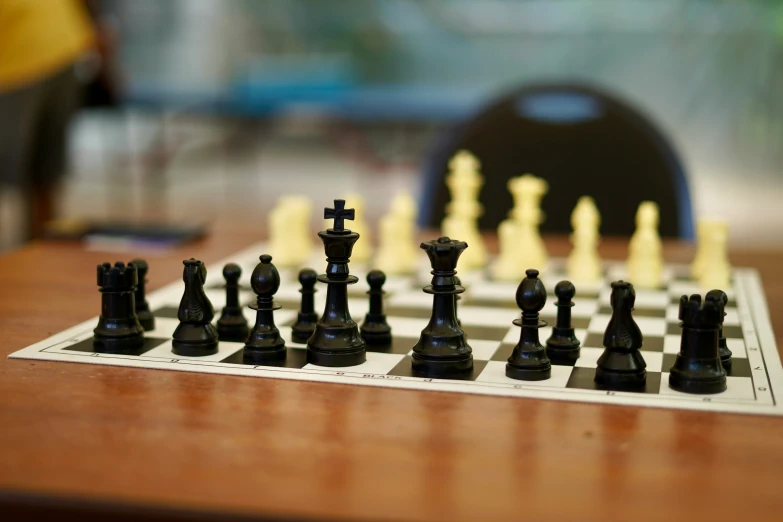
{"x":41,"y":41}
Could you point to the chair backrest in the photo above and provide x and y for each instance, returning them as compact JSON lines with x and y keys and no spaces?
{"x":583,"y":142}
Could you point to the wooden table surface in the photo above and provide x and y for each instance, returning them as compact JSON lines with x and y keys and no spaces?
{"x":87,"y":440}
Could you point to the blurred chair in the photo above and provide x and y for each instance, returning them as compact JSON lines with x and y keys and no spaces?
{"x":583,"y":142}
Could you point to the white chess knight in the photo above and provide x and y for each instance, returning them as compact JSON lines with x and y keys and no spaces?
{"x":521,"y":246}
{"x":362,"y":249}
{"x":397,"y":248}
{"x":645,"y":252}
{"x":584,"y":263}
{"x":289,"y":231}
{"x":462,"y":212}
{"x":715,"y":270}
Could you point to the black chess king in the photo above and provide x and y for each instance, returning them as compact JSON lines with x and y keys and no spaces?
{"x":336,"y":341}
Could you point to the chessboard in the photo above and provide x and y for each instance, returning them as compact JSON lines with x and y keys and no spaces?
{"x":486,"y":311}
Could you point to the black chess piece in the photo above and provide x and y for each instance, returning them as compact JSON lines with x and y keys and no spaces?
{"x":443,"y":350}
{"x":698,"y":367}
{"x":304,"y":326}
{"x":457,"y":298}
{"x":621,"y":366}
{"x":264,"y":343}
{"x":336,"y":341}
{"x":232,"y":325}
{"x":195,"y":336}
{"x":722,"y":299}
{"x":118,"y":330}
{"x":146,"y":319}
{"x":375,"y":330}
{"x":562,"y":347}
{"x":529,"y":361}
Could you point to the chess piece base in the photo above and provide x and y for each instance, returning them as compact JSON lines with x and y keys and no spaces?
{"x":195,"y":340}
{"x":336,"y":359}
{"x":191,"y":349}
{"x":563,"y":347}
{"x":618,"y":380}
{"x":441,"y":367}
{"x":103,"y":344}
{"x":539,"y":372}
{"x":704,"y":380}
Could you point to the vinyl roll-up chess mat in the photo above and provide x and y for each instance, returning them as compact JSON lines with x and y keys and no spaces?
{"x":486,"y":311}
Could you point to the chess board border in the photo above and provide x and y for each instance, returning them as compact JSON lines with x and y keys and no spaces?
{"x":763,"y":357}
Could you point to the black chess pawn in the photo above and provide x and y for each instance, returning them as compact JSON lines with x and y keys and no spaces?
{"x":232,"y":325}
{"x":304,"y":326}
{"x":722,"y":299}
{"x":529,"y":361}
{"x":562,"y":347}
{"x":621,"y":366}
{"x":264,"y":343}
{"x":375,"y":330}
{"x":118,"y":329}
{"x":443,"y":350}
{"x":336,"y":341}
{"x":698,"y":367}
{"x":146,"y":319}
{"x":195,"y":336}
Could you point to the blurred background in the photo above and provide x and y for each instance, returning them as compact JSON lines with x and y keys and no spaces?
{"x":202,"y":111}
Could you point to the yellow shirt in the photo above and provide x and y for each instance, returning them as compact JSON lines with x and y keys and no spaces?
{"x":40,"y":37}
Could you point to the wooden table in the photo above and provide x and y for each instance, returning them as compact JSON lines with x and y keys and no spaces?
{"x":86,"y":441}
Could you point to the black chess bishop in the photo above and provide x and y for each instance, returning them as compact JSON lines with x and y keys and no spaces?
{"x":621,"y":366}
{"x":304,"y":326}
{"x":264,"y":344}
{"x":563,"y":347}
{"x":195,"y":336}
{"x":232,"y":325}
{"x":375,"y":330}
{"x":442,"y":349}
{"x":146,"y":319}
{"x":698,"y":367}
{"x":529,"y":361}
{"x":118,"y":330}
{"x":336,"y":341}
{"x":720,"y":297}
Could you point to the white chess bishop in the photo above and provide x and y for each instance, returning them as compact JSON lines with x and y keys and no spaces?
{"x":397,"y":248}
{"x":362,"y":249}
{"x":521,"y":246}
{"x":645,"y":251}
{"x":462,"y":212}
{"x":583,"y":263}
{"x":289,"y":231}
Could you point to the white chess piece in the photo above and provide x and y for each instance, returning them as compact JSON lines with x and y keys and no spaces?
{"x":289,"y":231}
{"x":520,"y":243}
{"x":397,"y":248}
{"x":362,"y":249}
{"x":704,"y":229}
{"x":645,"y":251}
{"x":462,"y":212}
{"x":715,"y":270}
{"x":584,"y":263}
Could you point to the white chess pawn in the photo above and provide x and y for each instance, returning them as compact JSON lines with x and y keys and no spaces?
{"x":462,"y":212}
{"x":397,"y":248}
{"x":289,"y":231}
{"x":362,"y":249}
{"x":645,"y":251}
{"x":704,"y":229}
{"x":584,"y":263}
{"x":716,"y":270}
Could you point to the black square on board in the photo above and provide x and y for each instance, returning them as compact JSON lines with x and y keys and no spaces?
{"x":87,"y":346}
{"x":584,"y":379}
{"x":739,"y":367}
{"x":399,"y":345}
{"x":294,"y":358}
{"x":405,"y":369}
{"x":485,"y":333}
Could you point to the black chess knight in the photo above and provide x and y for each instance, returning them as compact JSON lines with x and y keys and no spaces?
{"x":118,"y":329}
{"x":195,"y":336}
{"x":336,"y":341}
{"x":442,"y":350}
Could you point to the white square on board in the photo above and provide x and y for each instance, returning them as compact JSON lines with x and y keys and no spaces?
{"x":378,"y":363}
{"x":495,"y":371}
{"x":224,"y":350}
{"x":739,"y":388}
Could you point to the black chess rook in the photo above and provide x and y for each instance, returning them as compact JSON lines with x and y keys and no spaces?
{"x":264,"y":344}
{"x":195,"y":336}
{"x":529,"y":361}
{"x":720,"y":297}
{"x":304,"y":326}
{"x":232,"y":325}
{"x":442,"y":349}
{"x":146,"y":319}
{"x":621,"y":365}
{"x":698,"y":367}
{"x":336,"y":341}
{"x":375,"y":330}
{"x":118,"y":330}
{"x":563,"y":347}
